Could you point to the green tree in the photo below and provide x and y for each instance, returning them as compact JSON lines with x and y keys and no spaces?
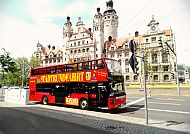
{"x":34,"y":62}
{"x":23,"y":71}
{"x":7,"y":64}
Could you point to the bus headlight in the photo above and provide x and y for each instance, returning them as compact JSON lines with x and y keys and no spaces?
{"x":112,"y":102}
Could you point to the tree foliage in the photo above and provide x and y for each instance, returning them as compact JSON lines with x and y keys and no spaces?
{"x":34,"y":62}
{"x":7,"y":63}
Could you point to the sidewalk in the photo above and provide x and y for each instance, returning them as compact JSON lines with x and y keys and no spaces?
{"x":156,"y":91}
{"x":107,"y":116}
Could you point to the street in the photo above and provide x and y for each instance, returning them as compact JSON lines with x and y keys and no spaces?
{"x":19,"y":122}
{"x":171,"y":109}
{"x":37,"y":118}
{"x":167,"y":112}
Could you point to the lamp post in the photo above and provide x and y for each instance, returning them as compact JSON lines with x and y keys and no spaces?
{"x":176,"y":67}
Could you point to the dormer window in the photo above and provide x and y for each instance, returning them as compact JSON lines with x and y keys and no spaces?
{"x":153,"y":39}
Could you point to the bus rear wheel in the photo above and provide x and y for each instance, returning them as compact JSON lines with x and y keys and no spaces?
{"x":83,"y":104}
{"x":45,"y":100}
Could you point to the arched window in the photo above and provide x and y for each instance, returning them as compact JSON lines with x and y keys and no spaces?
{"x":135,"y":77}
{"x":155,"y":77}
{"x":75,"y":51}
{"x":79,"y":51}
{"x":87,"y":49}
{"x":164,"y":58}
{"x":71,"y":51}
{"x":83,"y":50}
{"x":127,"y":77}
{"x":154,"y":58}
{"x":166,"y":77}
{"x":126,"y":61}
{"x":119,"y":62}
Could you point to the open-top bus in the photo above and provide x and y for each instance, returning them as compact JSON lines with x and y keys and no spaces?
{"x":94,"y":83}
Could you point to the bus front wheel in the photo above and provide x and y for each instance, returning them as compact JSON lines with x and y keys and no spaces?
{"x":83,"y":104}
{"x":45,"y":100}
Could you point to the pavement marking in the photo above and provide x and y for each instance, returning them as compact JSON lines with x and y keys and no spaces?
{"x":133,"y":102}
{"x":169,"y":111}
{"x":165,"y":103}
{"x":134,"y":97}
{"x":168,"y":99}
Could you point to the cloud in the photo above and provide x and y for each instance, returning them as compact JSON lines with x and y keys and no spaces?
{"x":20,"y":38}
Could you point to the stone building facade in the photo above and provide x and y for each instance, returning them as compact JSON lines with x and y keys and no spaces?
{"x":102,"y":40}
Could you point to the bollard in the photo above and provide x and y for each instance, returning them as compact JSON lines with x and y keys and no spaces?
{"x":149,"y":92}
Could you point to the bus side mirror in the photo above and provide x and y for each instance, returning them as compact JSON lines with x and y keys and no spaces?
{"x":113,"y":84}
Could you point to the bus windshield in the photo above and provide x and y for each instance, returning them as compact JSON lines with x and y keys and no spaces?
{"x":113,"y":65}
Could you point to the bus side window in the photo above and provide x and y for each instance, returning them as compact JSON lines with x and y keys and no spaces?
{"x":79,"y":68}
{"x":100,"y":64}
{"x":85,"y":66}
{"x":94,"y":65}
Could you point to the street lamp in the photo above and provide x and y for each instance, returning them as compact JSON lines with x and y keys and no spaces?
{"x":174,"y":51}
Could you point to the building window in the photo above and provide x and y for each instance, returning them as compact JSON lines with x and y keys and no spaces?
{"x":79,"y":43}
{"x":166,"y":77}
{"x":112,"y":48}
{"x":173,"y":77}
{"x":127,"y":70}
{"x":83,"y":50}
{"x":135,"y":77}
{"x":87,"y":49}
{"x":155,"y":77}
{"x":154,"y":58}
{"x":146,"y":40}
{"x":127,"y":78}
{"x":164,"y":58}
{"x":74,"y":43}
{"x":87,"y":42}
{"x":75,"y":51}
{"x":112,"y":55}
{"x":58,"y":60}
{"x":79,"y":51}
{"x":126,"y":46}
{"x":155,"y":69}
{"x":71,"y":51}
{"x":119,"y":62}
{"x":126,"y":54}
{"x":83,"y":40}
{"x":166,"y":68}
{"x":153,"y":39}
{"x":119,"y":55}
{"x":126,"y":61}
{"x":71,"y":45}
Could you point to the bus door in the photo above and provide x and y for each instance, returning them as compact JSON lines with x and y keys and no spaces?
{"x":102,"y":96}
{"x":60,"y":94}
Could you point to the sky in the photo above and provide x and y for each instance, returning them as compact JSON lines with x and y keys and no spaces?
{"x":25,"y":22}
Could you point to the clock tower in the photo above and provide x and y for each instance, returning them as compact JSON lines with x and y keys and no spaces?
{"x":153,"y":26}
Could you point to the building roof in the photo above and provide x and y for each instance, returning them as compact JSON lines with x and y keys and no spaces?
{"x":168,"y":32}
{"x":120,"y":41}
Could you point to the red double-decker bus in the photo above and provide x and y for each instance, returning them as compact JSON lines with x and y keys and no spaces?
{"x":94,"y":83}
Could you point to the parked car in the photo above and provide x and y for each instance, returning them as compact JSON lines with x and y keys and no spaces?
{"x":14,"y":87}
